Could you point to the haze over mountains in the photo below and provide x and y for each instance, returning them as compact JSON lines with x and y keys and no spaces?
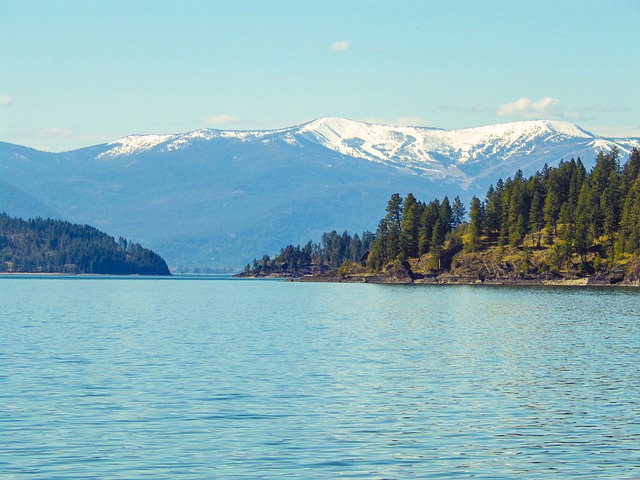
{"x":213,"y":198}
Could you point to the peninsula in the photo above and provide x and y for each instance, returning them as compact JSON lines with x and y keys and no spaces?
{"x":562,"y":225}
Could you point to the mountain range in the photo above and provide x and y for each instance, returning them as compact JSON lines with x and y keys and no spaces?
{"x":217,"y":199}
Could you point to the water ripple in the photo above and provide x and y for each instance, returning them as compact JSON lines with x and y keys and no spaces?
{"x":242,"y":380}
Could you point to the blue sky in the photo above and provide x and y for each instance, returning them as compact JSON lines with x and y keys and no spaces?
{"x":78,"y":73}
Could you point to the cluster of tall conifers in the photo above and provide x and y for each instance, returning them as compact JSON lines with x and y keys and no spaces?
{"x":565,"y":207}
{"x":329,"y":254}
{"x":55,"y":246}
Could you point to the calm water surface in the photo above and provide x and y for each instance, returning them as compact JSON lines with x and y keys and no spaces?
{"x":203,"y":378}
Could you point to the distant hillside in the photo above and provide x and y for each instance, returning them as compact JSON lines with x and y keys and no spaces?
{"x":213,"y":198}
{"x":54,"y":246}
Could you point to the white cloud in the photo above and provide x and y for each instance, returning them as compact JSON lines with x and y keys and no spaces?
{"x":548,"y":107}
{"x":219,"y":119}
{"x":6,"y":100}
{"x":54,"y":132}
{"x":339,"y":46}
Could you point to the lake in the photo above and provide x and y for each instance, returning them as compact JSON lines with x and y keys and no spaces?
{"x":191,"y":377}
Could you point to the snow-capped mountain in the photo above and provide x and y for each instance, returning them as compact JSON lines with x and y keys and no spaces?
{"x":213,"y":197}
{"x":428,"y":151}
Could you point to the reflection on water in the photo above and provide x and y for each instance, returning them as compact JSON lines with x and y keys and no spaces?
{"x":197,"y":378}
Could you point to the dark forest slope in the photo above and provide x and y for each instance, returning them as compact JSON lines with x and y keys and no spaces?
{"x":53,"y":246}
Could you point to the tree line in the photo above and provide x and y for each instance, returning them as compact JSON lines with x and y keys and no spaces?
{"x":313,"y":258}
{"x":587,"y":219}
{"x":566,"y":208}
{"x":53,"y":246}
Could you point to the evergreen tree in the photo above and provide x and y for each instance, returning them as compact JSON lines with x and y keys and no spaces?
{"x":409,"y":235}
{"x":631,"y":170}
{"x":577,"y":179}
{"x":567,"y":234}
{"x":582,"y":237}
{"x":437,"y":239}
{"x":551,"y":211}
{"x":446,"y":215}
{"x":610,"y":207}
{"x":518,"y":212}
{"x":393,"y":221}
{"x":355,"y":249}
{"x":604,"y":170}
{"x":493,"y":209}
{"x":536,"y":213}
{"x":476,"y":215}
{"x":458,"y":212}
{"x":630,"y":223}
{"x":430,"y":214}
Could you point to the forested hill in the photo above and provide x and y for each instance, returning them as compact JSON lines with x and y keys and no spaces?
{"x":562,"y":222}
{"x":54,"y":246}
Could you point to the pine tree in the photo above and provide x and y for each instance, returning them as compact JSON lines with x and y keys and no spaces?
{"x":430,"y":214}
{"x":458,"y":212}
{"x":493,"y":209}
{"x":536,"y":214}
{"x":630,"y":221}
{"x":437,"y":239}
{"x":606,"y":165}
{"x":386,"y":246}
{"x":551,"y":211}
{"x":610,"y":206}
{"x":567,"y":234}
{"x":518,"y":212}
{"x":631,"y":170}
{"x":446,"y":214}
{"x":582,"y":220}
{"x":476,"y":215}
{"x":409,"y":234}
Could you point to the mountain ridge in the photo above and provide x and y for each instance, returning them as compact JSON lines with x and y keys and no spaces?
{"x":343,"y":128}
{"x":216,"y":198}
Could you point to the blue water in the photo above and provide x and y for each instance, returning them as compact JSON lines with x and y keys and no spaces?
{"x":206,"y":378}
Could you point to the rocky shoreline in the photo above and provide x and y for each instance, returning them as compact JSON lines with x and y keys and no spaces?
{"x":508,"y":266}
{"x":454,"y":280}
{"x":447,"y":279}
{"x":405,"y":276}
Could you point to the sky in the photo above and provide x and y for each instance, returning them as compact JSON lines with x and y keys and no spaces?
{"x":85,"y":72}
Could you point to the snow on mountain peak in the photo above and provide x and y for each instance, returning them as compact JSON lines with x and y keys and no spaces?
{"x":135,"y":144}
{"x":423,"y":150}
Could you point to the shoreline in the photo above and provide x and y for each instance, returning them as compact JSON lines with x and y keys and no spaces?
{"x":62,"y":274}
{"x":455,"y":280}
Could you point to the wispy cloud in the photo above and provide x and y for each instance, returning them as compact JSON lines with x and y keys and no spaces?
{"x":54,"y":132}
{"x":339,"y":46}
{"x":616,"y":132}
{"x":548,"y":107}
{"x":6,"y":100}
{"x":607,"y":108}
{"x":480,"y":108}
{"x":220,"y":119}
